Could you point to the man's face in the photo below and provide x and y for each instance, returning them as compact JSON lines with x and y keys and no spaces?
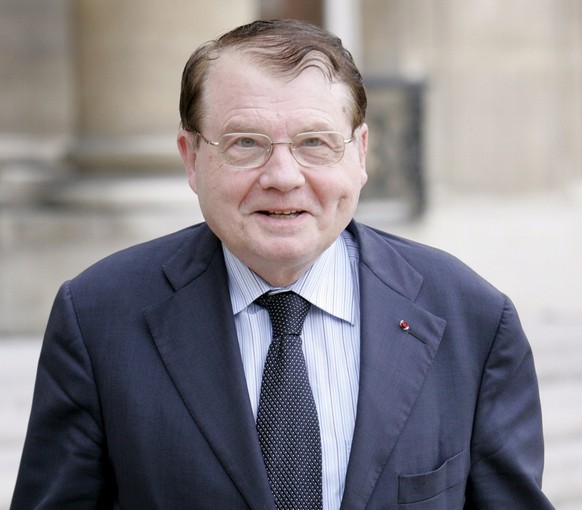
{"x":278,"y":218}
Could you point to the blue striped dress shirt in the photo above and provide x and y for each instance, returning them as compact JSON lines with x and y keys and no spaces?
{"x":331,"y":345}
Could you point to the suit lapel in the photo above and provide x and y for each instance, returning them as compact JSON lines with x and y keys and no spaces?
{"x":394,"y":362}
{"x":196,"y":338}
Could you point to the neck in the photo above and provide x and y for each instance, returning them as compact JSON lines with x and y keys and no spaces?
{"x":278,"y":276}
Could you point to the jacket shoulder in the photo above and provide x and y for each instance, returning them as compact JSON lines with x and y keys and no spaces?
{"x":140,"y":267}
{"x":445,"y":277}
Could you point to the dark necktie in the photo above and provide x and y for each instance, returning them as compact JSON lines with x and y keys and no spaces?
{"x":287,"y":418}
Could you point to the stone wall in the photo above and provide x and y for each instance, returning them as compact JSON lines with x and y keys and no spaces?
{"x":96,"y":84}
{"x":88,"y":116}
{"x":504,"y":102}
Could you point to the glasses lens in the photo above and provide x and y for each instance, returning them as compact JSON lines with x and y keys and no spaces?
{"x":321,"y":148}
{"x":244,"y":150}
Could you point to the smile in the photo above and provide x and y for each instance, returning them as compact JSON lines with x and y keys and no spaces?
{"x":282,"y":214}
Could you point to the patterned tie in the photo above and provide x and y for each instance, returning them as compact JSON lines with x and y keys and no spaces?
{"x":287,"y":418}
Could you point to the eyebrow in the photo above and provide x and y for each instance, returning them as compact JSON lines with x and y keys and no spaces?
{"x":245,"y":128}
{"x":257,"y":124}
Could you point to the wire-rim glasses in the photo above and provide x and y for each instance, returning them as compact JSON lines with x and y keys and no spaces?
{"x":253,"y":150}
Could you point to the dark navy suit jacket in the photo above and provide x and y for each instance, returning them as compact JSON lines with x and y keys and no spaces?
{"x":141,"y":402}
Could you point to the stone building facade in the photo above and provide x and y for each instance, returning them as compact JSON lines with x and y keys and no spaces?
{"x":88,"y":112}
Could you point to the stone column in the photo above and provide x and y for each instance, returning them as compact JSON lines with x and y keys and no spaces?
{"x":501,"y":81}
{"x":36,"y":117}
{"x":343,"y":18}
{"x":129,"y":59}
{"x":570,"y":90}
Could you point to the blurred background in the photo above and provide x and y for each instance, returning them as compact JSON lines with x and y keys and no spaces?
{"x":475,"y":147}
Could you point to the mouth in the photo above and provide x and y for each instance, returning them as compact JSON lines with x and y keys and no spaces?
{"x":281,"y":214}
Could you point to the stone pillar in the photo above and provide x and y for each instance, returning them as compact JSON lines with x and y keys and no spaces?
{"x":129,"y":59}
{"x":570,"y":90}
{"x":500,"y":72}
{"x":343,"y":18}
{"x":36,"y":117}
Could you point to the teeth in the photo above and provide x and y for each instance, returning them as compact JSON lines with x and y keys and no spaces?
{"x":287,"y":213}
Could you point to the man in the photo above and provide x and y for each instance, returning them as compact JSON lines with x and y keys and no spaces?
{"x":150,"y":383}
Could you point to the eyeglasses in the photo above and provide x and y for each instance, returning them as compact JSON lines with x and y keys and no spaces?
{"x":253,"y":150}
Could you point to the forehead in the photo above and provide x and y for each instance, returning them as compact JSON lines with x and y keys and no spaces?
{"x":241,"y":92}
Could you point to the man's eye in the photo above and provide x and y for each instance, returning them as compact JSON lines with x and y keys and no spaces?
{"x":245,"y":142}
{"x":313,"y":141}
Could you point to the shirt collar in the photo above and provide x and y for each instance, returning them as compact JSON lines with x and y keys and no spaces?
{"x":328,"y":284}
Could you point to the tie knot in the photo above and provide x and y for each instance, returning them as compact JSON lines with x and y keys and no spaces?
{"x":287,"y":311}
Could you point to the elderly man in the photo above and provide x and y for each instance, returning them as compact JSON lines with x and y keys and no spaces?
{"x":281,"y":355}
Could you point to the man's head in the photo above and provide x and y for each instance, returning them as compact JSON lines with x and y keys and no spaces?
{"x":284,"y":47}
{"x":274,"y":143}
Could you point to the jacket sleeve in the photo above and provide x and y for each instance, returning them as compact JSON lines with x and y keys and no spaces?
{"x":64,"y":462}
{"x":507,"y":447}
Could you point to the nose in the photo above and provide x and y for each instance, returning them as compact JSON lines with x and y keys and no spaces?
{"x":281,"y":171}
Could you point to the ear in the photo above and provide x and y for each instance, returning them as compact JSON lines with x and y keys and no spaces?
{"x":187,"y":146}
{"x":362,"y":140}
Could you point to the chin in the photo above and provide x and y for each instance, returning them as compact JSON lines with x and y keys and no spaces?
{"x":295,"y":253}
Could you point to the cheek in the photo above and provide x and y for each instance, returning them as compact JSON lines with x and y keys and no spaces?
{"x":338,"y":195}
{"x":223,"y":189}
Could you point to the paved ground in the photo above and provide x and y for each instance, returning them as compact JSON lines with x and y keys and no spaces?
{"x":530,"y":247}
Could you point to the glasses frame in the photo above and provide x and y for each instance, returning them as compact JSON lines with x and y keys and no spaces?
{"x":269,"y":152}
